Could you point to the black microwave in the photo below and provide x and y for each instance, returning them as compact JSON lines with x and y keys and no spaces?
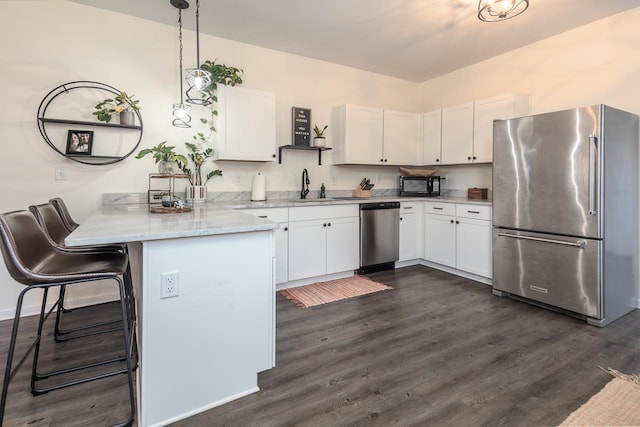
{"x":419,"y":186}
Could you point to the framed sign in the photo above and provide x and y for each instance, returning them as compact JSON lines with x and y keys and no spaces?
{"x":79,"y":142}
{"x":301,"y":126}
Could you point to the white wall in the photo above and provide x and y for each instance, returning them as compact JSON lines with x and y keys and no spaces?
{"x":593,"y":64}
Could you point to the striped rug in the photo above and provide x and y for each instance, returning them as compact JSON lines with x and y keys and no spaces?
{"x":332,"y":290}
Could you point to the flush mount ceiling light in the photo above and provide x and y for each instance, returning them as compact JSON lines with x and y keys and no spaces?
{"x":500,"y":10}
{"x":197,"y":78}
{"x":181,"y":111}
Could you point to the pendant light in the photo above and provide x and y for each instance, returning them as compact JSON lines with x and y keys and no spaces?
{"x":500,"y":10}
{"x":181,"y":111}
{"x":197,"y":78}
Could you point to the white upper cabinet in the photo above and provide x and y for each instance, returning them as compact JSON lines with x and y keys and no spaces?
{"x":486,"y":111}
{"x":457,"y":134}
{"x":246,"y":124}
{"x":432,"y":138}
{"x":373,"y":136}
{"x":358,"y":135}
{"x":467,"y":130}
{"x":402,"y":142}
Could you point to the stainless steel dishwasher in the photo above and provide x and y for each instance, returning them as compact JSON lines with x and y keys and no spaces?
{"x":379,"y":236}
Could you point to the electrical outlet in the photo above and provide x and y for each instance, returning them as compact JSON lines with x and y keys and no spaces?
{"x":169,"y":284}
{"x":239,"y":180}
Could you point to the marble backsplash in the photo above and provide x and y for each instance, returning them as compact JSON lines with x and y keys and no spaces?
{"x":230,"y":196}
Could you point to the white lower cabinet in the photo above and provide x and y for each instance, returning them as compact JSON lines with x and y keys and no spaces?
{"x":323,"y":240}
{"x":281,"y":216}
{"x":409,"y":231}
{"x":458,"y":236}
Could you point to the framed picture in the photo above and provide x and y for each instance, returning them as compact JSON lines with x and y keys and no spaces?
{"x":79,"y":142}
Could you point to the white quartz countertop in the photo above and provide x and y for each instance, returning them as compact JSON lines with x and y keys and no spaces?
{"x":134,"y":223}
{"x":288,"y":203}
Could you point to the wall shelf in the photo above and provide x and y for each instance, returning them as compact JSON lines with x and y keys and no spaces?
{"x":65,"y":89}
{"x":86,"y":123}
{"x":302,"y":147}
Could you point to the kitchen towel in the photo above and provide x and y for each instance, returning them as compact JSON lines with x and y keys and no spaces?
{"x":258,"y":189}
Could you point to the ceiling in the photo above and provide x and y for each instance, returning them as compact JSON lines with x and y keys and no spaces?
{"x":413,"y":40}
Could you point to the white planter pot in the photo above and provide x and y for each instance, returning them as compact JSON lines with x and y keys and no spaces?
{"x":318,"y":142}
{"x":127,"y":118}
{"x":196,"y":193}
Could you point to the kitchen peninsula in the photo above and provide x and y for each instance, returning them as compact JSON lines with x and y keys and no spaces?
{"x":204,"y":344}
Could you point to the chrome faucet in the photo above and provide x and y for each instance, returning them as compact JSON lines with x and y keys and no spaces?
{"x":305,"y":181}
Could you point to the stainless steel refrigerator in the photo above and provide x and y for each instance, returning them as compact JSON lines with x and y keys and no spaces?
{"x":565,"y":211}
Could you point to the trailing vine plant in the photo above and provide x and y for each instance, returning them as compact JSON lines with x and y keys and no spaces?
{"x":199,"y":152}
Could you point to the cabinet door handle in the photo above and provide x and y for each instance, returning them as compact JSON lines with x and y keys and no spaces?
{"x":324,"y":225}
{"x":408,"y":207}
{"x":382,"y":160}
{"x":273,"y":155}
{"x":473,"y":212}
{"x":469,"y":158}
{"x":385,"y":160}
{"x":262,"y":216}
{"x":457,"y":222}
{"x":286,"y":229}
{"x":438,"y":209}
{"x":451,"y":221}
{"x":474,"y":157}
{"x":329,"y":224}
{"x":400,"y":218}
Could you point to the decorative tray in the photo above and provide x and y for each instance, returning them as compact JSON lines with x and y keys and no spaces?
{"x":163,"y":210}
{"x":418,"y":172}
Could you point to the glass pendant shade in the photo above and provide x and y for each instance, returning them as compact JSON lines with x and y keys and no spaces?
{"x":181,"y":117}
{"x":197,"y":78}
{"x":500,"y":10}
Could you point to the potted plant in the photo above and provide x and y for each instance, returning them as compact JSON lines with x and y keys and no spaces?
{"x":166,"y":158}
{"x":318,"y":140}
{"x":198,"y":154}
{"x":123,"y":104}
{"x":198,"y":150}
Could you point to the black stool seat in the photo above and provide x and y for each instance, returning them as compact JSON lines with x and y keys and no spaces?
{"x":35,"y":262}
{"x":52,"y":222}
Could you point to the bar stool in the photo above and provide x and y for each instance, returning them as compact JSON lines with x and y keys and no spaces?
{"x":61,"y":207}
{"x":53,"y":224}
{"x":33,"y":261}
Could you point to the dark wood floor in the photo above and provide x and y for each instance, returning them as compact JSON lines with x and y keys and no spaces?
{"x":437,"y":350}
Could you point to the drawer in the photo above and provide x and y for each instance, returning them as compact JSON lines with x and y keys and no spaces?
{"x":474,"y":211}
{"x":439,"y":208}
{"x":407,"y":207}
{"x":272,"y":214}
{"x":304,"y":213}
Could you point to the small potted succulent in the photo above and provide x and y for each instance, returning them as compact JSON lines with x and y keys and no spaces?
{"x":318,"y":140}
{"x":122,"y":104}
{"x":169,"y":162}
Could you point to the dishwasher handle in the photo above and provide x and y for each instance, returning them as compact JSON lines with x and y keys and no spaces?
{"x":379,"y":205}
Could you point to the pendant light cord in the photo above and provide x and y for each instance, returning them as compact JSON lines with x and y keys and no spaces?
{"x":180,"y":55}
{"x":197,"y":35}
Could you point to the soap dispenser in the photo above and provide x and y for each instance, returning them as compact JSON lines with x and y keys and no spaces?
{"x":323,"y":195}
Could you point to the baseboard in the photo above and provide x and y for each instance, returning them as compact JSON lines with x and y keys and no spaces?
{"x":310,"y":280}
{"x":474,"y":277}
{"x":32,"y":309}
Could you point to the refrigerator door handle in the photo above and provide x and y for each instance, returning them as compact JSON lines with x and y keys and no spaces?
{"x":579,"y":244}
{"x":593,"y":167}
